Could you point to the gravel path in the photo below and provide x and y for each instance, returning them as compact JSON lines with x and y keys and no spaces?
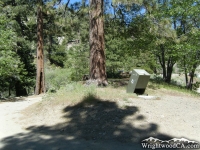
{"x":11,"y":114}
{"x":123,"y":122}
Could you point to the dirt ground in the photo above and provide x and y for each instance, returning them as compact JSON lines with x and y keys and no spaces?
{"x":98,"y":125}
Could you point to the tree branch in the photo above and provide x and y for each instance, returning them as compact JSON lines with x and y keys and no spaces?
{"x":66,"y":6}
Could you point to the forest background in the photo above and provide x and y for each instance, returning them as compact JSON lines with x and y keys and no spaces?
{"x":154,"y":35}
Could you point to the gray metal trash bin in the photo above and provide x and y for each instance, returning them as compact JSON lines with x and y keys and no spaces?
{"x":138,"y":81}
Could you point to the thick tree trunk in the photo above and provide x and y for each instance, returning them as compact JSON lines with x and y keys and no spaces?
{"x":50,"y":48}
{"x":40,"y":83}
{"x":190,"y":83}
{"x":163,"y":62}
{"x":161,"y":58}
{"x":170,"y":65}
{"x":169,"y":74}
{"x":167,"y":68}
{"x":9,"y":91}
{"x":97,"y":44}
{"x":185,"y":70}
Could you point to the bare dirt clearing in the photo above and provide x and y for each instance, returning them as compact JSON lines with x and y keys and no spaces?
{"x":98,"y":124}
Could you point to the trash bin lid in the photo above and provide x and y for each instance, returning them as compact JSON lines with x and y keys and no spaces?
{"x":141,"y":72}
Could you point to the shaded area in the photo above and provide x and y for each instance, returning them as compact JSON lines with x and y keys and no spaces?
{"x":13,"y":99}
{"x":118,"y":82}
{"x":90,"y":124}
{"x":18,"y":99}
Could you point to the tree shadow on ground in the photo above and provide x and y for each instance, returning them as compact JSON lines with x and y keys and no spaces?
{"x":91,"y":124}
{"x":13,"y":99}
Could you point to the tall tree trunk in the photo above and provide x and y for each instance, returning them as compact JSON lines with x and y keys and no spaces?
{"x":9,"y":90}
{"x":50,"y":48}
{"x":40,"y":83}
{"x":170,"y":65}
{"x":97,"y":44}
{"x":190,"y":83}
{"x":167,"y":68}
{"x":162,"y":61}
{"x":185,"y":70}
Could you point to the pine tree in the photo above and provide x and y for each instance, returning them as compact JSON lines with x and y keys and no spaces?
{"x":40,"y":82}
{"x":19,"y":14}
{"x":97,"y":43}
{"x":10,"y":64}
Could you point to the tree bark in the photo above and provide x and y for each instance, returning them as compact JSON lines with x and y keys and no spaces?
{"x":190,"y":83}
{"x":97,"y":44}
{"x":50,"y":48}
{"x":167,"y":68}
{"x":161,"y":58}
{"x":40,"y":82}
{"x":185,"y":70}
{"x":170,"y":65}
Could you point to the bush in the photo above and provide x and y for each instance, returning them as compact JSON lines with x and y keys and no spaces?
{"x":196,"y":85}
{"x":77,"y":62}
{"x":56,"y":78}
{"x":72,"y":92}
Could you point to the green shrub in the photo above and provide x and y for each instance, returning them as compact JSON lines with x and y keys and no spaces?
{"x":196,"y":85}
{"x":77,"y":62}
{"x":56,"y":78}
{"x":72,"y":92}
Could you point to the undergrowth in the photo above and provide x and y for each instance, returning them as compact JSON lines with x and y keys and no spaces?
{"x":75,"y":92}
{"x":72,"y":92}
{"x":156,"y":85}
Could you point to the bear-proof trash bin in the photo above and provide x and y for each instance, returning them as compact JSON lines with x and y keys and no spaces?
{"x":138,"y":81}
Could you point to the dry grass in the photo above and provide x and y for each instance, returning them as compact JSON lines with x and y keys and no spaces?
{"x":75,"y":93}
{"x":76,"y":108}
{"x":170,"y":89}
